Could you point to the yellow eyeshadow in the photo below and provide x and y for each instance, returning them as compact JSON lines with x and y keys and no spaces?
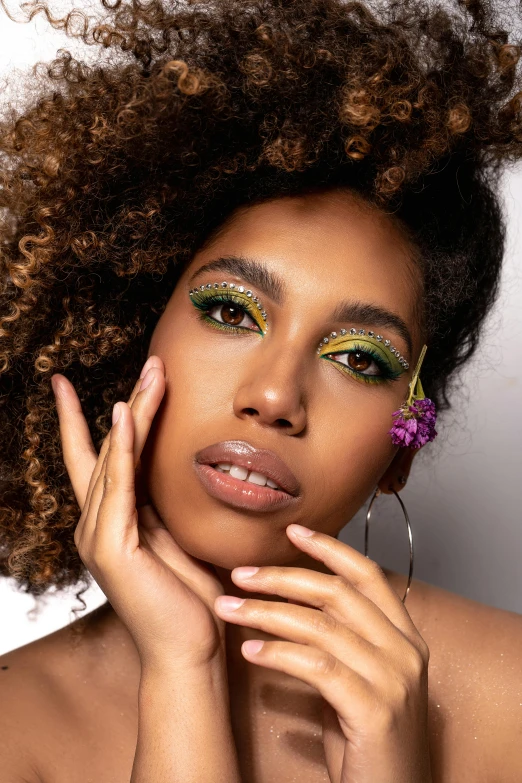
{"x":210,"y":297}
{"x":374,"y":347}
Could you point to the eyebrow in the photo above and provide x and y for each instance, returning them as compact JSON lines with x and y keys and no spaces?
{"x":258,"y":275}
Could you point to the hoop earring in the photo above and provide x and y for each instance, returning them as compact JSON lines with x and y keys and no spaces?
{"x":410,"y":537}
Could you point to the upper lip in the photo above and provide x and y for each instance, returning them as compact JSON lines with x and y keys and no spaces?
{"x":242,"y":453}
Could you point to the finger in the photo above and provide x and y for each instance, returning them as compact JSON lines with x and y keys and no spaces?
{"x":87,"y":523}
{"x":145,"y":405}
{"x":149,"y":395}
{"x":79,"y":453}
{"x":78,"y":449}
{"x":309,"y":627}
{"x":362,"y":573}
{"x":105,"y":445}
{"x":350,"y":695}
{"x":332,"y":594}
{"x":117,"y":517}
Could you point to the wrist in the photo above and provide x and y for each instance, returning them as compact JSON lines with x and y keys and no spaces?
{"x":212,"y":674}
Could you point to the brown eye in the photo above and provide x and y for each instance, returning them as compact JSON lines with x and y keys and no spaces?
{"x":232,"y":314}
{"x":358,"y":360}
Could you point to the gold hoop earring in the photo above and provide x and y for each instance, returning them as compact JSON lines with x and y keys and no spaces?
{"x":410,"y":537}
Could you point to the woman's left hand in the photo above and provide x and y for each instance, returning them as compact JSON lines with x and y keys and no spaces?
{"x":358,"y":647}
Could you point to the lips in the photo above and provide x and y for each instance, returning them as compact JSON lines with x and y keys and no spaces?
{"x":241,"y":453}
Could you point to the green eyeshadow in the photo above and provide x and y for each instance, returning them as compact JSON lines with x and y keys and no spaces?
{"x":208,"y":296}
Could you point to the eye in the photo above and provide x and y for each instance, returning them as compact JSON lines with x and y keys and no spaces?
{"x":231,"y":314}
{"x":358,"y":361}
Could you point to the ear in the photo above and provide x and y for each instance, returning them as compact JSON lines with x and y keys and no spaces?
{"x":397,"y":472}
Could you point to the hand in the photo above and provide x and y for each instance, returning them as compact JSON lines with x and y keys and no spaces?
{"x":164,"y":596}
{"x":358,"y":647}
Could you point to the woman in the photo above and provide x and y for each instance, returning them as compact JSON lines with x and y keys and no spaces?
{"x":274,"y":231}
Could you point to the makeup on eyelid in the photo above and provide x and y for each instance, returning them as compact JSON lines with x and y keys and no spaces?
{"x":234,"y":302}
{"x":211,"y":295}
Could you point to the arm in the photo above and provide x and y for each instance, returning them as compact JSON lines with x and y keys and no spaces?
{"x":184,"y":727}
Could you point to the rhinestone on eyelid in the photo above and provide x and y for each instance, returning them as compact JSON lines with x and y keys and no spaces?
{"x":371,"y":334}
{"x":343,"y":332}
{"x":334,"y":335}
{"x":379,"y":337}
{"x":362,"y":331}
{"x":230,"y":286}
{"x":386,"y":343}
{"x":353,"y":331}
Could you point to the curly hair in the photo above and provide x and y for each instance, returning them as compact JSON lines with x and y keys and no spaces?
{"x":113,"y":176}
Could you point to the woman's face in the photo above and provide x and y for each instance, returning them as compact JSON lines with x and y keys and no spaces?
{"x":231,"y":375}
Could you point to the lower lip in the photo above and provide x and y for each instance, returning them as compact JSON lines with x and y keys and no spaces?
{"x":242,"y":494}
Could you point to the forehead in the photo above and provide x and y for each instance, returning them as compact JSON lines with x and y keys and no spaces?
{"x":326,"y":246}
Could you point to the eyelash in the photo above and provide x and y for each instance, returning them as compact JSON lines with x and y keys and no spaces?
{"x":216,"y":299}
{"x":387,"y":373}
{"x":212,"y":300}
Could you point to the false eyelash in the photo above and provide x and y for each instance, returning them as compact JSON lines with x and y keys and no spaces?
{"x":387,"y":373}
{"x":210,"y":301}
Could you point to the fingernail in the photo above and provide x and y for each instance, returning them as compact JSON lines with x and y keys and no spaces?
{"x":146,"y":367}
{"x":300,"y":530}
{"x":227,"y":603}
{"x":252,"y":646}
{"x":116,"y":411}
{"x":245,"y":571}
{"x":149,"y":377}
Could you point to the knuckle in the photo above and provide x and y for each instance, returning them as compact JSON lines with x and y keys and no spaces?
{"x":321,"y":623}
{"x":374,"y":572}
{"x":416,"y":662}
{"x":424,"y":651}
{"x":325,"y":665}
{"x":339,"y":585}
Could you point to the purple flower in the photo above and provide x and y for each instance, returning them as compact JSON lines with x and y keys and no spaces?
{"x":415,"y":424}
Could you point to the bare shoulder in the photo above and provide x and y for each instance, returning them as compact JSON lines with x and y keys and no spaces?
{"x":40,"y":686}
{"x":475,"y":674}
{"x":28,"y":696}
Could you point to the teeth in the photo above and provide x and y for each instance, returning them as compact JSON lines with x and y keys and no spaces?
{"x":238,"y":472}
{"x":257,"y":478}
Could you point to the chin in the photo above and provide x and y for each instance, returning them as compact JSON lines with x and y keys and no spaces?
{"x":230,"y":541}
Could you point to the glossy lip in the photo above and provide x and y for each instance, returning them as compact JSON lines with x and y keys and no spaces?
{"x":242,"y":453}
{"x":242,"y":494}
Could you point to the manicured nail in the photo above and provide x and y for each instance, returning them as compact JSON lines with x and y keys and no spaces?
{"x":149,"y":377}
{"x":116,"y":411}
{"x":252,"y":646}
{"x":300,"y":530}
{"x":246,"y":571}
{"x":146,"y":367}
{"x":227,"y":603}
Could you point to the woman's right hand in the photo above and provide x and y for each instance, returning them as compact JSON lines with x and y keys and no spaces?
{"x":164,"y":596}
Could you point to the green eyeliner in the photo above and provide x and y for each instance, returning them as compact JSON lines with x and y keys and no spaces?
{"x":386,"y":356}
{"x":207,"y":296}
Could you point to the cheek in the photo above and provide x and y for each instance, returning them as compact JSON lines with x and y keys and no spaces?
{"x":353,"y":450}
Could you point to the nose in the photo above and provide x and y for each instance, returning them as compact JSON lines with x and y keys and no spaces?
{"x":271,"y":391}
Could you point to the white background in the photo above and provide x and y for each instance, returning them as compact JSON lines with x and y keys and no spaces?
{"x":463,"y":495}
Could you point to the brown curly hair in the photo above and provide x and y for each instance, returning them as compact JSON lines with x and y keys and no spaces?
{"x":114,"y":174}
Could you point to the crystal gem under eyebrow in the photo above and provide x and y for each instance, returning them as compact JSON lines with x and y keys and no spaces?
{"x":372,"y":315}
{"x":258,"y":275}
{"x":253,"y":272}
